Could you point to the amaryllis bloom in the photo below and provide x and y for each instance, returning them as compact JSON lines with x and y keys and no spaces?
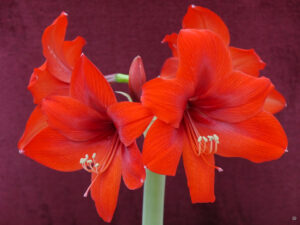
{"x":209,"y":108}
{"x":246,"y":61}
{"x":86,"y":130}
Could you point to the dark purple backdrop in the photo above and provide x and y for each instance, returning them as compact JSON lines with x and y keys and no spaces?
{"x":116,"y":31}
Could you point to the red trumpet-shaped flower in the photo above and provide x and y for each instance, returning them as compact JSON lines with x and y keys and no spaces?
{"x":208,"y":108}
{"x":90,"y":130}
{"x":246,"y":61}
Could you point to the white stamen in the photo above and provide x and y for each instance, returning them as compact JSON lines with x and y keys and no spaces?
{"x":89,"y":164}
{"x":210,"y":138}
{"x":213,"y":146}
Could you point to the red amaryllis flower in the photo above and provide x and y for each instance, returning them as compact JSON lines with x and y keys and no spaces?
{"x":243,"y":60}
{"x":86,"y":130}
{"x":53,"y":77}
{"x":209,"y":108}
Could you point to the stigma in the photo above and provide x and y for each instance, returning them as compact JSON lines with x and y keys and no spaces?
{"x":90,"y":166}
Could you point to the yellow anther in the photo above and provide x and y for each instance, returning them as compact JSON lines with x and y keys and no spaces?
{"x":89,"y":164}
{"x":203,"y":148}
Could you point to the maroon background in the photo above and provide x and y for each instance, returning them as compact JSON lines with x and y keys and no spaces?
{"x":116,"y":31}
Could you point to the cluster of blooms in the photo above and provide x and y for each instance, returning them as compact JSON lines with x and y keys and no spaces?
{"x":208,"y":99}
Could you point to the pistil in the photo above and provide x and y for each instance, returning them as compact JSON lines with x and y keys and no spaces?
{"x":91,"y":166}
{"x":201,"y":145}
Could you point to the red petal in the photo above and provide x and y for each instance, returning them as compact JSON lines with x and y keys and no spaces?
{"x":89,"y":86}
{"x":137,"y":77}
{"x":169,"y":68}
{"x":72,"y":51}
{"x":43,"y":84}
{"x":53,"y":150}
{"x":203,"y":59}
{"x":131,"y":120}
{"x":201,"y":18}
{"x":275,"y":102}
{"x":75,"y":120}
{"x":133,"y":171}
{"x":35,"y":124}
{"x":105,"y":190}
{"x":200,"y":174}
{"x":258,"y":139}
{"x":246,"y":61}
{"x":166,"y":98}
{"x":162,"y":148}
{"x":61,"y":56}
{"x":239,"y":97}
{"x":171,"y":39}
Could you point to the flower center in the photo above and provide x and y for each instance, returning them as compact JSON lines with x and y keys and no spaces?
{"x":91,"y":166}
{"x":201,"y":144}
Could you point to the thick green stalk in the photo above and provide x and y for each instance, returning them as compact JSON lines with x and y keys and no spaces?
{"x":153,"y":199}
{"x":121,"y":78}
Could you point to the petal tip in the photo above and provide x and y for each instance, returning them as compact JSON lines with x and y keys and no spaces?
{"x":64,"y":13}
{"x":21,"y":151}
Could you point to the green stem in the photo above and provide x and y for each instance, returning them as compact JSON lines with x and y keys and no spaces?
{"x":153,"y":199}
{"x":121,"y":78}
